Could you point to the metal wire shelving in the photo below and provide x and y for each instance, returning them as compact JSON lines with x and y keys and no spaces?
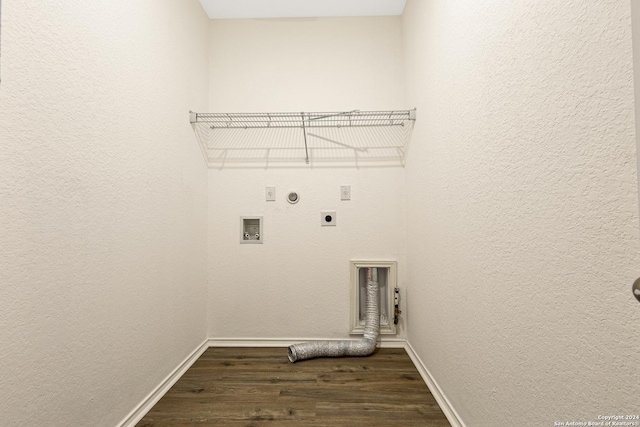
{"x":221,"y":133}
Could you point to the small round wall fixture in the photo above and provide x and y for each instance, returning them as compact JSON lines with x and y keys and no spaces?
{"x":636,"y":289}
{"x":293,"y":197}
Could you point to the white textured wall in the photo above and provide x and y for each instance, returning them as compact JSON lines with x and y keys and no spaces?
{"x":522,"y":176}
{"x":305,"y":64}
{"x":296,"y":284}
{"x":102,"y":205}
{"x":635,"y":18}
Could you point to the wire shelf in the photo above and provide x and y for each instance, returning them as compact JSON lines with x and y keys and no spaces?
{"x":354,"y":118}
{"x":244,"y":138}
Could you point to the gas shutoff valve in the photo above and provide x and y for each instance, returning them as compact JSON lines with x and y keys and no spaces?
{"x":396,"y":305}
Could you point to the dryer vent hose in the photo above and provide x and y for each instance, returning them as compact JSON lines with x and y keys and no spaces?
{"x":363,"y":347}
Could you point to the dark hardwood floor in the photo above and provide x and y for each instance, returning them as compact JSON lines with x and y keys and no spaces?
{"x":259,"y":386}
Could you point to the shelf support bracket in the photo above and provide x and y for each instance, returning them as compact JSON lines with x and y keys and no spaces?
{"x":304,"y":132}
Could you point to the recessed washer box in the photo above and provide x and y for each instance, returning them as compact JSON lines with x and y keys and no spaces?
{"x":251,"y":229}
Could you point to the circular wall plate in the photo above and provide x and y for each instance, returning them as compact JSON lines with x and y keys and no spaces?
{"x":293,"y":197}
{"x":636,"y":289}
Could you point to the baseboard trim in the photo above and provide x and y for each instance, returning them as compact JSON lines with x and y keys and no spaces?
{"x":282,"y":342}
{"x":152,"y":398}
{"x":452,"y":416}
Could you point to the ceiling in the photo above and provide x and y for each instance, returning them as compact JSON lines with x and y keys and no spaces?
{"x":238,"y":9}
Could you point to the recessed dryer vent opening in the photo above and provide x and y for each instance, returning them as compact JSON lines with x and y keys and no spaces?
{"x":386,"y":286}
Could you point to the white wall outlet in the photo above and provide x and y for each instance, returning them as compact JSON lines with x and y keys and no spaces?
{"x":270,"y":194}
{"x":345,"y":192}
{"x":327,"y":218}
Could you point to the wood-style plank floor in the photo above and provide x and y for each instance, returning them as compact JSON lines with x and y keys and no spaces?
{"x":260,"y":387}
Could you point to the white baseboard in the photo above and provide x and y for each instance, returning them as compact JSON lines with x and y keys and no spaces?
{"x":279,"y":342}
{"x":448,"y":410}
{"x":152,"y":398}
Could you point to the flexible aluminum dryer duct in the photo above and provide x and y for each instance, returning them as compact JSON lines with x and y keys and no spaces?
{"x":363,"y":347}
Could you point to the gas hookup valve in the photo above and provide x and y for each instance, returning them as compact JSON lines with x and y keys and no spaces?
{"x":396,"y":305}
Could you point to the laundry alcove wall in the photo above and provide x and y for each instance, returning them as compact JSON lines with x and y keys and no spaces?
{"x":298,"y":279}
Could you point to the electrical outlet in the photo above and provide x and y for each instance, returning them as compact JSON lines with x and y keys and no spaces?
{"x":270,"y":194}
{"x":345,"y":192}
{"x":327,"y":218}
